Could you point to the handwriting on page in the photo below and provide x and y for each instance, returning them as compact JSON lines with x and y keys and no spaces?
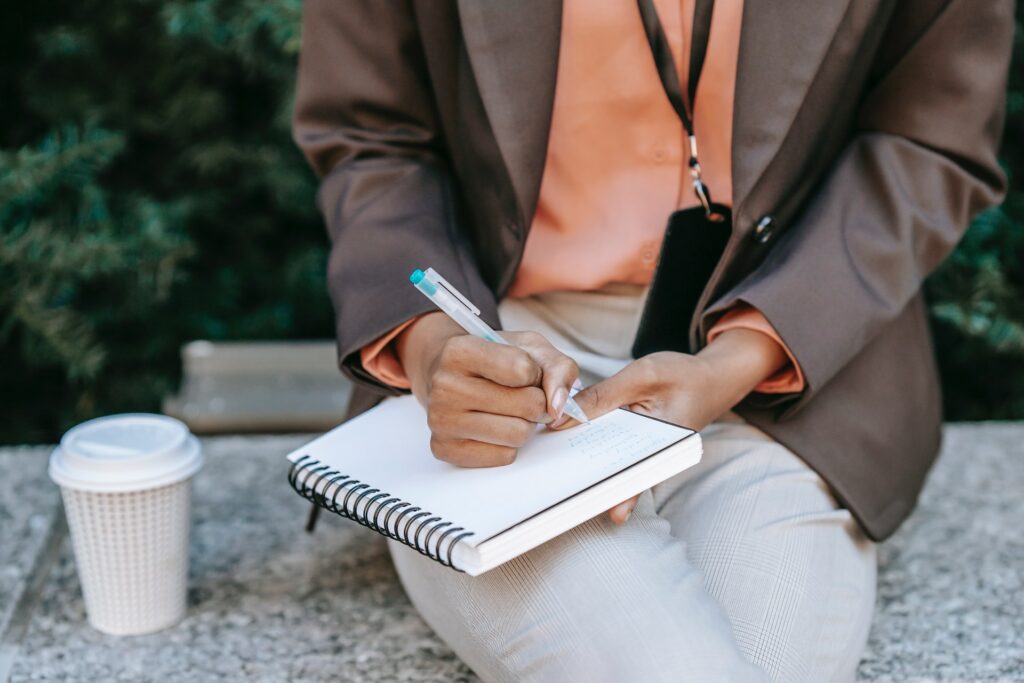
{"x":614,"y":442}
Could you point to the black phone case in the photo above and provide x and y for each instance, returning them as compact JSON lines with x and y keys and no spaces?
{"x":691,"y":249}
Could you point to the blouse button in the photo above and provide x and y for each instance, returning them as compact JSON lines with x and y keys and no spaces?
{"x":648,"y":255}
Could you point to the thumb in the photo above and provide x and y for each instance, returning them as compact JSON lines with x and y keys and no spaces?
{"x":621,"y":389}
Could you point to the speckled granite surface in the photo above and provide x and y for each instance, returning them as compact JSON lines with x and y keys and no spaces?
{"x":267,"y":601}
{"x":28,"y":510}
{"x":270,"y":603}
{"x":951,"y":580}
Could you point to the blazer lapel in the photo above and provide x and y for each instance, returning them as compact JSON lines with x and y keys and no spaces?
{"x":782,"y":45}
{"x":513,"y":50}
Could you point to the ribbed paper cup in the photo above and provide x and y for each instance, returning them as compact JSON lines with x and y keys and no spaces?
{"x":126,"y":481}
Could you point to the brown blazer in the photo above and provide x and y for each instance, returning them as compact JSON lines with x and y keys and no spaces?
{"x":864,"y":140}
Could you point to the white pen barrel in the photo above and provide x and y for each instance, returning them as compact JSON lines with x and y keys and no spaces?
{"x":471,"y":323}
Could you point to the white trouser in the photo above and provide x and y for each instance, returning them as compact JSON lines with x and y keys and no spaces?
{"x":741,"y":568}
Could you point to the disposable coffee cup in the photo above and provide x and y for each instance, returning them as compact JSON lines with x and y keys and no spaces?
{"x":126,"y":482}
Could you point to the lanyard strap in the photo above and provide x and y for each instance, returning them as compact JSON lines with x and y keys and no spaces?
{"x":670,"y":77}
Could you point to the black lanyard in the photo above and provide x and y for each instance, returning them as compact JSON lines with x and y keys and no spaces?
{"x":670,"y":77}
{"x":695,"y":238}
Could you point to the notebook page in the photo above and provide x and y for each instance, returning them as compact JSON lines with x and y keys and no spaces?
{"x":389,"y":448}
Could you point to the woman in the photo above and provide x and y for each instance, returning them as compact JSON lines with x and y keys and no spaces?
{"x":533,"y":153}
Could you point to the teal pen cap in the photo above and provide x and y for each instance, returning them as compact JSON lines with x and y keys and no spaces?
{"x":422,"y":282}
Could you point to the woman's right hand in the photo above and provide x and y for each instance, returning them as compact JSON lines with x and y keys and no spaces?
{"x":483,"y":400}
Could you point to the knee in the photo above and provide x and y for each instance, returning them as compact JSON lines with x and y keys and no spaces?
{"x":599,"y":603}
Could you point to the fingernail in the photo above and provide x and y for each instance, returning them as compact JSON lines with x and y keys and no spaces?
{"x":629,"y":512}
{"x":558,"y":401}
{"x":628,"y":508}
{"x":559,"y":422}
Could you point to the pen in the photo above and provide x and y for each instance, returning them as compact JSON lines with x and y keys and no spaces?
{"x":467,"y":316}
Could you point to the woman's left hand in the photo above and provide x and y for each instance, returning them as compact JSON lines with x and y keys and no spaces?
{"x":688,"y":390}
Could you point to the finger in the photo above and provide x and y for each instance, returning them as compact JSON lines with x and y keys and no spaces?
{"x":467,"y":453}
{"x":558,"y":370}
{"x":504,"y":364}
{"x":621,"y":389}
{"x":500,"y":430}
{"x":454,"y":391}
{"x":558,"y":374}
{"x":621,"y":512}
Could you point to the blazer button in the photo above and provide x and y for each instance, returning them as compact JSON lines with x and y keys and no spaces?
{"x":764,"y":230}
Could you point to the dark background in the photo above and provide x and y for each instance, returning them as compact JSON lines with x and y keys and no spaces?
{"x":150,"y":194}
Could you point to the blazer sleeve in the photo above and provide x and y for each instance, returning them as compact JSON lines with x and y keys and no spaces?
{"x":922,"y":162}
{"x":366,"y":120}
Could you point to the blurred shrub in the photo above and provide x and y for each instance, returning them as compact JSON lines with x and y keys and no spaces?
{"x":977,"y":296}
{"x":150,"y":194}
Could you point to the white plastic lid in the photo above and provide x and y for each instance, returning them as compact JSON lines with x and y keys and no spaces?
{"x":130,"y":452}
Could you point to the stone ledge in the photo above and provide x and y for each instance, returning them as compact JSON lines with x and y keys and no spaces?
{"x":270,"y":603}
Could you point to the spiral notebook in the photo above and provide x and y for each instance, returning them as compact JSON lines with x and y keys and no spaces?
{"x":378,"y":470}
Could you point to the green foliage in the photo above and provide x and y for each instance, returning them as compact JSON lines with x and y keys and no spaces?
{"x":977,"y":296}
{"x":64,"y":236}
{"x":150,"y":194}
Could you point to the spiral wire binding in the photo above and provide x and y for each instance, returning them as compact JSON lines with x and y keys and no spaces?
{"x":319,"y":484}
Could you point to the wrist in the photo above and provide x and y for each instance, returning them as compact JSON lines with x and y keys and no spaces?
{"x":738,"y":360}
{"x":419,"y":344}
